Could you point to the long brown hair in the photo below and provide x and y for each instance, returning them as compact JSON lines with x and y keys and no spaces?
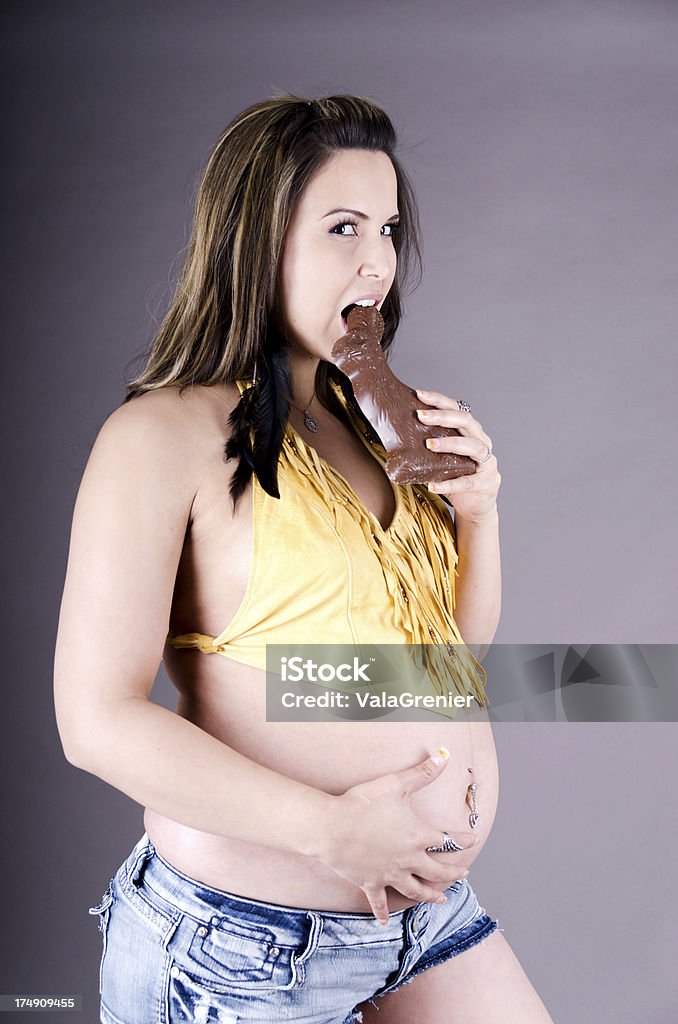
{"x":223,"y":314}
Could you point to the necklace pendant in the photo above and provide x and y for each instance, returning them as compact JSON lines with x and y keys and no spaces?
{"x":473,"y":819}
{"x":310,"y":423}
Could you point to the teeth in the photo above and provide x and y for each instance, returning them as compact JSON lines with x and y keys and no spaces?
{"x":366,"y":302}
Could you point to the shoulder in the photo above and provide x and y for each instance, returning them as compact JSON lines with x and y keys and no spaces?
{"x":171,"y":423}
{"x":165,"y":439}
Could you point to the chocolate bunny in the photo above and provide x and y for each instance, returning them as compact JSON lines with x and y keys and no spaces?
{"x":390,"y":406}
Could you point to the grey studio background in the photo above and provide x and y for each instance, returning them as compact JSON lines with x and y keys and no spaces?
{"x":541,"y":138}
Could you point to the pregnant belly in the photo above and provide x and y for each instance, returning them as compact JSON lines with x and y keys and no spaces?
{"x":333,"y":757}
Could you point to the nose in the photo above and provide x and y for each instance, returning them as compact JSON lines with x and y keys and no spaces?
{"x":377,"y":258}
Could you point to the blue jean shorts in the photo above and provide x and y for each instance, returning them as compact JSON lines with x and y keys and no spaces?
{"x":177,"y":951}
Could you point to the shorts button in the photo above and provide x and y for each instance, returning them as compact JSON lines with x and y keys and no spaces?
{"x":274,"y":950}
{"x":175,"y":972}
{"x":202,"y":931}
{"x":421,"y":916}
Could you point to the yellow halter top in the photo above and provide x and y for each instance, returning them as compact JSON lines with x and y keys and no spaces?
{"x":325,"y":571}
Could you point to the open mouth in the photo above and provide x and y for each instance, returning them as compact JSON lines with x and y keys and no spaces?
{"x":344,"y":314}
{"x":346,"y":310}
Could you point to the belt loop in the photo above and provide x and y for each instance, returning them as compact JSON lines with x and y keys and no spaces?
{"x":298,"y":970}
{"x":314,"y":936}
{"x":144,"y":851}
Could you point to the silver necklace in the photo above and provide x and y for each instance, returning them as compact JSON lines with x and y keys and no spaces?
{"x":309,"y":422}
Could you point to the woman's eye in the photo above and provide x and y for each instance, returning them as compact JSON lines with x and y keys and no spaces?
{"x":343,"y":224}
{"x":337,"y":229}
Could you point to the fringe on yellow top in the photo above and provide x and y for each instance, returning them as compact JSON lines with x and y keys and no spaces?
{"x":324,"y":570}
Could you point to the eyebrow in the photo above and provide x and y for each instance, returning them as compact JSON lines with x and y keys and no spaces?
{"x":357,"y":213}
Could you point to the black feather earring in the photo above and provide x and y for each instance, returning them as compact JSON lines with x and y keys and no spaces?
{"x":269,"y":417}
{"x":258,"y":425}
{"x":239,"y":444}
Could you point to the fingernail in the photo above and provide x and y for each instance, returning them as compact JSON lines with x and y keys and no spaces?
{"x":431,"y":442}
{"x":424,"y":394}
{"x":423,"y":414}
{"x":441,"y":755}
{"x":442,"y":899}
{"x":432,"y":487}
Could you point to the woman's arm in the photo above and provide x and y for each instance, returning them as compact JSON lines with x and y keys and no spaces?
{"x":131,"y":515}
{"x":171,"y":765}
{"x":476,"y":520}
{"x":478,"y":585}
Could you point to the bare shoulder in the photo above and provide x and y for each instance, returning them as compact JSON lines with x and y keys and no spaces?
{"x":168,"y":427}
{"x":167,"y":417}
{"x":159,"y":448}
{"x":129,"y":526}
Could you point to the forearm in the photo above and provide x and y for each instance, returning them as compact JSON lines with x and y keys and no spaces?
{"x":169,"y":764}
{"x":478,"y":581}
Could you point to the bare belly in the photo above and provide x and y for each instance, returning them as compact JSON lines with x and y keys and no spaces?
{"x":330,"y":756}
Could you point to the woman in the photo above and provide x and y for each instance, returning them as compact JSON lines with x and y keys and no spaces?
{"x":270,"y":848}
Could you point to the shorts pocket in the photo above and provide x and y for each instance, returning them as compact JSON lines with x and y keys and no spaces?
{"x":103,"y":909}
{"x":235,"y":950}
{"x":230,"y":953}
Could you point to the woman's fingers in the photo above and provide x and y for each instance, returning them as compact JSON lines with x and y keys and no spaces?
{"x":438,"y":399}
{"x":461,"y":484}
{"x":441,"y":867}
{"x":464,"y":422}
{"x":451,"y":876}
{"x":435,"y":838}
{"x":428,"y":890}
{"x":376,"y":896}
{"x":476,"y":447}
{"x":414,"y":887}
{"x":421,"y":890}
{"x":424,"y":773}
{"x":379,"y":842}
{"x":448,"y":414}
{"x":417,"y":889}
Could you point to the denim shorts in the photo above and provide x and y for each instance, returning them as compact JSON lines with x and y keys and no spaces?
{"x":177,"y":951}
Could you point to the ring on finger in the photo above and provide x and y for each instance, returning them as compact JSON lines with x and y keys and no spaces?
{"x":448,"y":845}
{"x":489,"y":453}
{"x":463,"y":406}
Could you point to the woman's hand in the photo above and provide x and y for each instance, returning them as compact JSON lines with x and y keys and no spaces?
{"x":474,"y":496}
{"x":374,"y":839}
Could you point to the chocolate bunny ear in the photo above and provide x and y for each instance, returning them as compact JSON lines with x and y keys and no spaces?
{"x":258,"y":426}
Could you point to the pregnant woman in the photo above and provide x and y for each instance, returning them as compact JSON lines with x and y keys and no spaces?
{"x":289,"y":871}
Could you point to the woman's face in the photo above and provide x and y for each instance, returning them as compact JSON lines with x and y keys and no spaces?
{"x":338,"y":248}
